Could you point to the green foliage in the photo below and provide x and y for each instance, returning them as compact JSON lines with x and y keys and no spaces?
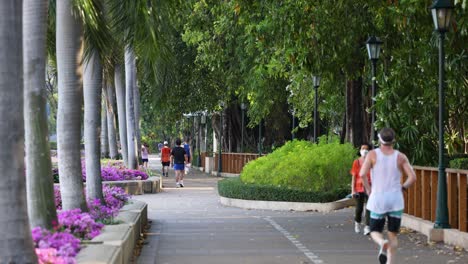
{"x":235,"y":188}
{"x":302,"y":165}
{"x":461,"y":163}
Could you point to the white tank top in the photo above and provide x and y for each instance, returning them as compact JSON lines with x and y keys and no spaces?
{"x":386,"y":195}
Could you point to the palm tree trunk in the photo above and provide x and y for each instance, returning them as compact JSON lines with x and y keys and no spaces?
{"x":137,"y":121}
{"x":104,"y":140}
{"x":130,"y":84}
{"x":121,"y":113}
{"x":15,"y":241}
{"x":111,"y":121}
{"x":92,"y":113}
{"x":70,"y":92}
{"x":40,"y":186}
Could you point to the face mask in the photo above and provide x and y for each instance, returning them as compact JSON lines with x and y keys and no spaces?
{"x":364,"y":152}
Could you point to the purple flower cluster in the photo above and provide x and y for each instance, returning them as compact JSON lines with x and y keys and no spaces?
{"x":100,"y":212}
{"x":114,"y":196}
{"x":80,"y":224}
{"x":57,"y":197}
{"x":111,"y":172}
{"x":66,"y":244}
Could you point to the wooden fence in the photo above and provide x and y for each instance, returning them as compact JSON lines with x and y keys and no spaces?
{"x":421,"y":198}
{"x":233,"y":162}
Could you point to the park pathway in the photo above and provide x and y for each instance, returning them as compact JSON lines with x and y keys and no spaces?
{"x":190,"y":226}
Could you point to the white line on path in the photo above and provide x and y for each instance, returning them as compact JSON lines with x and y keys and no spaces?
{"x":309,"y":254}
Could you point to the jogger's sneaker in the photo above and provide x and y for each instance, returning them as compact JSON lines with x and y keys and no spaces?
{"x":383,"y":252}
{"x":177,"y":185}
{"x":181,"y":185}
{"x":357,"y":227}
{"x":366,"y":230}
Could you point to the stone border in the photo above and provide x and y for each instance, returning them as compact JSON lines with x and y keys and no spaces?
{"x":137,"y":187}
{"x":287,"y":206}
{"x":448,"y":236}
{"x":115,"y":244}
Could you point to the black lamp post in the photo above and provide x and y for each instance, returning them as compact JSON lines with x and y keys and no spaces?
{"x":243,"y":107}
{"x":199,"y":143}
{"x":373,"y":49}
{"x":220,"y":159}
{"x":260,"y":138}
{"x":316,"y":82}
{"x":441,"y":15}
{"x":293,"y":121}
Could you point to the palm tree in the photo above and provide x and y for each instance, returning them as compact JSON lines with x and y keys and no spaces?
{"x":136,"y":100}
{"x":121,"y":112}
{"x":111,"y":120}
{"x":69,"y":40}
{"x":15,"y":242}
{"x":92,"y":111}
{"x":40,"y":186}
{"x":104,"y":141}
{"x":130,"y":85}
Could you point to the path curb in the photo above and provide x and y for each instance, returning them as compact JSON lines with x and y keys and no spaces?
{"x":287,"y":206}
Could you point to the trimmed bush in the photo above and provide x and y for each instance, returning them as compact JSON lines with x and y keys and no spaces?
{"x":461,"y":163}
{"x":235,"y":188}
{"x":303,"y":166}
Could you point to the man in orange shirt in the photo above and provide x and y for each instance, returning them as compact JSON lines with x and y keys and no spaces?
{"x":165,"y":159}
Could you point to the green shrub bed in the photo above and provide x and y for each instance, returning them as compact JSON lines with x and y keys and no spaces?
{"x":460,"y":163}
{"x":304,"y":166}
{"x":235,"y":188}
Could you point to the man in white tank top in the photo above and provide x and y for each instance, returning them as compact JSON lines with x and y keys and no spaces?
{"x":386,"y":195}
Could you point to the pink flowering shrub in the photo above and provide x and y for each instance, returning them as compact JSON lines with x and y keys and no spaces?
{"x":65,"y":244}
{"x":102,"y":213}
{"x":50,"y":256}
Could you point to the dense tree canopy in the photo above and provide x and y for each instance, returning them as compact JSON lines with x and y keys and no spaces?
{"x":265,"y":52}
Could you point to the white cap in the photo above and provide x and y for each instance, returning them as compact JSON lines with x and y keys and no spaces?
{"x":165,"y":143}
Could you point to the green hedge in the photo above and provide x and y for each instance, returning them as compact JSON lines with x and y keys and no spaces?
{"x":303,"y":166}
{"x":235,"y":188}
{"x":461,"y":163}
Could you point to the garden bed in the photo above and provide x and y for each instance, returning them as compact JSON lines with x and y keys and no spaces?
{"x":116,"y":243}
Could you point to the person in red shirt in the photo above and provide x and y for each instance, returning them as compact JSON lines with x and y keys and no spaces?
{"x":358,"y":192}
{"x":165,"y":159}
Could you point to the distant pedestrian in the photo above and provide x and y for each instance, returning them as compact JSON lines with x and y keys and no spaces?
{"x":189,"y":156}
{"x":165,"y":158}
{"x":386,"y":195}
{"x":144,"y":155}
{"x":358,"y":192}
{"x":178,"y":161}
{"x":160,"y":146}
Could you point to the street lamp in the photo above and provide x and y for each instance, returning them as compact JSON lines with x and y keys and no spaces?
{"x":316,"y":83}
{"x":373,"y":49}
{"x":293,"y":113}
{"x":243,"y":107}
{"x":260,"y":138}
{"x":441,"y":15}
{"x":220,"y":160}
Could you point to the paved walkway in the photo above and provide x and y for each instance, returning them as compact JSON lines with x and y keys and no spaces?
{"x":190,"y":226}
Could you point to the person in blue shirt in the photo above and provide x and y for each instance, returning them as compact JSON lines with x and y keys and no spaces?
{"x":189,"y":155}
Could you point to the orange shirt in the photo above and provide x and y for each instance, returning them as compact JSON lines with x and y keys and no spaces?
{"x":358,"y":184}
{"x":165,"y":154}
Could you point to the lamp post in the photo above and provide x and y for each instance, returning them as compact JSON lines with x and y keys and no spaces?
{"x":243,"y":107}
{"x":260,"y":138}
{"x":293,"y":121}
{"x":316,"y":82}
{"x":220,"y":159}
{"x":441,"y":15}
{"x":373,"y":49}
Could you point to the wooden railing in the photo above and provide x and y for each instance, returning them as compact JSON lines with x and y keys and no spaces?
{"x":233,"y":162}
{"x":421,"y":198}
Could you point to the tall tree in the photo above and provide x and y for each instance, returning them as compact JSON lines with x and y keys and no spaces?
{"x":104,"y":132}
{"x":111,"y":120}
{"x":137,"y":120}
{"x":121,"y":112}
{"x":92,"y":124}
{"x":130,"y":86}
{"x":69,"y":38}
{"x":15,"y":241}
{"x":40,"y":186}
